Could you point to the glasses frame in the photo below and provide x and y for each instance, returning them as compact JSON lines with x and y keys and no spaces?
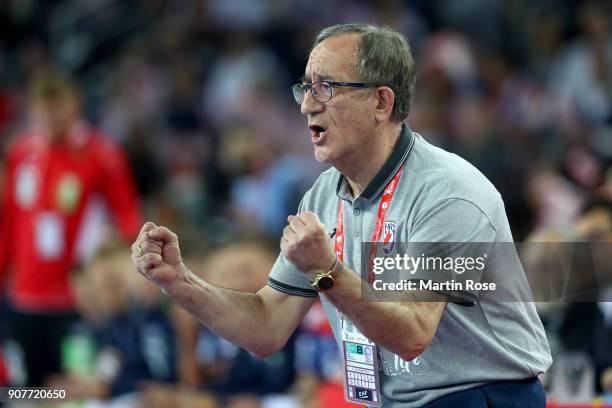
{"x":295,"y":88}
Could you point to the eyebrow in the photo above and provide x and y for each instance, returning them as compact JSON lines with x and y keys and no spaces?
{"x":322,"y":77}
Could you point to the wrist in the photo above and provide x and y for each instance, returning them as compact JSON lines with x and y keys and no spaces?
{"x":325,"y":279}
{"x":184,"y":279}
{"x":326,"y":265}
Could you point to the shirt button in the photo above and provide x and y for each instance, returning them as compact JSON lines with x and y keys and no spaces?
{"x":356,"y":234}
{"x":356,"y":211}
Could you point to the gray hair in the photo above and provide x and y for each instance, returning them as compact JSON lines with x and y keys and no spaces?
{"x":384,"y":57}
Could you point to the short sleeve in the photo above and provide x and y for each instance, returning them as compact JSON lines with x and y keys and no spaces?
{"x":286,"y":277}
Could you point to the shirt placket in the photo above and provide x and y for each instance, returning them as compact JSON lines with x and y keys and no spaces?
{"x":359,"y":215}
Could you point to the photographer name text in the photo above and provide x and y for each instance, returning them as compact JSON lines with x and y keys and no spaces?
{"x":452,"y":285}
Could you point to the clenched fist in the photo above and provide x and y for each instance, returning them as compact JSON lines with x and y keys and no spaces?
{"x":157,"y":256}
{"x":306,"y":243}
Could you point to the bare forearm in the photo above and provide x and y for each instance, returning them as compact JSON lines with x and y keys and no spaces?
{"x":239,"y":317}
{"x":260,"y":323}
{"x":405,"y":328}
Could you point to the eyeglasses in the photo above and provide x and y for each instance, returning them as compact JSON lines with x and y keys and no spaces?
{"x":322,"y":91}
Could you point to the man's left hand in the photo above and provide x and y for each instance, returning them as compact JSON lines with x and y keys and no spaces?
{"x":306,"y":243}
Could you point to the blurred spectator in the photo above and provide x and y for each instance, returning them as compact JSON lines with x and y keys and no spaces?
{"x":588,"y":326}
{"x":4,"y":379}
{"x":125,"y":339}
{"x":319,"y":362}
{"x":261,"y":176}
{"x":232,"y":77}
{"x":223,"y":368}
{"x":135,"y":95}
{"x":606,"y":382}
{"x":555,"y":200}
{"x":582,"y":77}
{"x":580,"y":329}
{"x":163,"y":397}
{"x":58,"y":172}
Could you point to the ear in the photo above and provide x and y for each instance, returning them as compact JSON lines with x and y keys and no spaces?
{"x":386,"y":101}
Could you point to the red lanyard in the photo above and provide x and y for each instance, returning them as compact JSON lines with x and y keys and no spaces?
{"x":385,"y":203}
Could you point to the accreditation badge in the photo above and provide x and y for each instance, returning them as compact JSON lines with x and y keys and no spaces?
{"x":68,"y":193}
{"x":360,"y":367}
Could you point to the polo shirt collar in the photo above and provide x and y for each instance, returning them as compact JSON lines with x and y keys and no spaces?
{"x":392,"y":165}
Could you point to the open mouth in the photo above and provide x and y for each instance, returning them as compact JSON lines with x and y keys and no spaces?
{"x":317,"y":133}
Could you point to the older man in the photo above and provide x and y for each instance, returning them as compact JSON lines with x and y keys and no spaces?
{"x":356,"y":94}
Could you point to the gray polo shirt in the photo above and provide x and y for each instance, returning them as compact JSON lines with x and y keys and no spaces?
{"x":440,"y":198}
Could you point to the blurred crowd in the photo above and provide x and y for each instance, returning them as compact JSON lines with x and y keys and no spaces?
{"x":197,"y":94}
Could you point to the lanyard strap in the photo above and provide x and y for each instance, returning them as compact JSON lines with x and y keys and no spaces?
{"x":385,"y":203}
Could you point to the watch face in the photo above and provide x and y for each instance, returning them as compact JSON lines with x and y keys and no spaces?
{"x":325,"y":282}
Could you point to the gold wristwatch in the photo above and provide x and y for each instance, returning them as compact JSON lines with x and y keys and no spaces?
{"x":325,"y":280}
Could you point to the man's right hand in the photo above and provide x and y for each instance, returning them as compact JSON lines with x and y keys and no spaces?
{"x":157,"y":256}
{"x":260,"y":322}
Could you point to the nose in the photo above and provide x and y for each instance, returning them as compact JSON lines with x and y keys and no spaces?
{"x":310,"y":105}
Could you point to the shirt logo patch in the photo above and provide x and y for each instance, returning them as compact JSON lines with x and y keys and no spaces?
{"x":68,"y":193}
{"x":389,"y":237}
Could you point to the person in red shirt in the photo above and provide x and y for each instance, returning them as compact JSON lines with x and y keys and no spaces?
{"x":55,"y":174}
{"x":3,"y":370}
